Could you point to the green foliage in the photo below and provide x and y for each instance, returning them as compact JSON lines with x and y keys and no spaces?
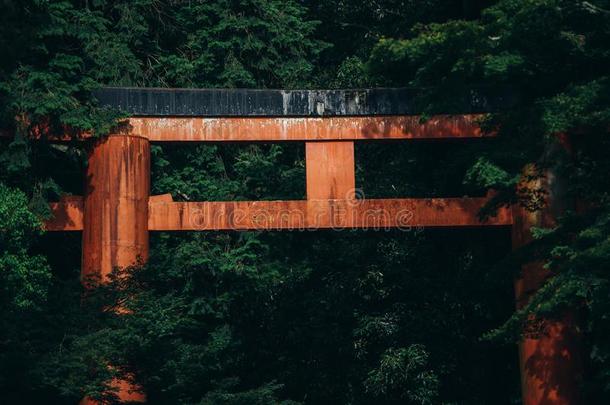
{"x":24,"y":278}
{"x":400,"y":368}
{"x":351,"y":73}
{"x":485,"y":174}
{"x":246,"y":43}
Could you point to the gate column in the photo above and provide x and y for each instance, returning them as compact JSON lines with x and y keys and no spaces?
{"x":115,"y":217}
{"x":549,"y":354}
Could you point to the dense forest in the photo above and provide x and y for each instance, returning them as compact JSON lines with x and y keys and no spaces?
{"x":341,"y":317}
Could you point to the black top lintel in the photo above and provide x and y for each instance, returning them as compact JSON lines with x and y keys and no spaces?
{"x":289,"y":103}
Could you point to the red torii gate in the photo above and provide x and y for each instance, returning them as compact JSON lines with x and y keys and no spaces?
{"x":117,"y":211}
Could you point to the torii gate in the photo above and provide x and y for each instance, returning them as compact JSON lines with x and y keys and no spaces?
{"x":117,"y":211}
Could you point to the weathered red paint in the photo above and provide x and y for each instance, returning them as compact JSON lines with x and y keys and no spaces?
{"x":115,"y":209}
{"x":166,"y":215}
{"x":330,"y":170}
{"x":261,"y":129}
{"x":278,"y":129}
{"x":548,"y":354}
{"x":115,"y":216}
{"x":321,"y":214}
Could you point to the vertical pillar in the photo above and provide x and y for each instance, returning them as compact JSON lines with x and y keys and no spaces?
{"x":329,"y":170}
{"x":115,"y":219}
{"x":548,"y":353}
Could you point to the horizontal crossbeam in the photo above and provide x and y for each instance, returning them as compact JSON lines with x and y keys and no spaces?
{"x":274,"y":129}
{"x":166,"y":215}
{"x":321,"y":214}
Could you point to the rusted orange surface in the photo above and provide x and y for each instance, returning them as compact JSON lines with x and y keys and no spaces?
{"x":115,"y":217}
{"x":267,"y":129}
{"x":277,"y":129}
{"x":126,"y":391}
{"x":549,"y":352}
{"x":164,"y":214}
{"x":293,"y":214}
{"x":550,"y":363}
{"x":321,"y":214}
{"x":115,"y":214}
{"x":330,"y":170}
{"x":66,"y":215}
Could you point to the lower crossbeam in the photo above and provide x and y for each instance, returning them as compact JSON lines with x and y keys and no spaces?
{"x":405,"y":213}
